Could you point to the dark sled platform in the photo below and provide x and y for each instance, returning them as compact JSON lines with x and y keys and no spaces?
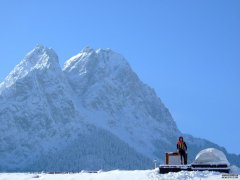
{"x":211,"y":167}
{"x":163,"y":169}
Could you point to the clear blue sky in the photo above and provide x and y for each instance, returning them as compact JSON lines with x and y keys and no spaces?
{"x":188,"y":51}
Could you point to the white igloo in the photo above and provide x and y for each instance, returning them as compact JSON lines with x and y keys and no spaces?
{"x":211,"y":156}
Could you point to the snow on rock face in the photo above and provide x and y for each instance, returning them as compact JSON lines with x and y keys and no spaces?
{"x":91,"y":59}
{"x":113,"y":97}
{"x":39,"y":58}
{"x":105,"y":81}
{"x":39,"y":116}
{"x":211,"y":156}
{"x":91,"y":68}
{"x":35,"y":103}
{"x":95,"y":113}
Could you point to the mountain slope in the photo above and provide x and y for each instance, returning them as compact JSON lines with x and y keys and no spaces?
{"x":38,"y":117}
{"x":112,"y":96}
{"x":94,"y":114}
{"x":35,"y":104}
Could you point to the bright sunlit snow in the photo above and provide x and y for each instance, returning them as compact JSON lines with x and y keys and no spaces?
{"x":115,"y":175}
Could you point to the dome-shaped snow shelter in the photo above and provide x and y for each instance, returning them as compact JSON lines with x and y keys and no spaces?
{"x":210,"y":159}
{"x":211,"y":156}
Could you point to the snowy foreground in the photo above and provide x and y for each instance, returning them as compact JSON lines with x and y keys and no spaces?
{"x":118,"y":175}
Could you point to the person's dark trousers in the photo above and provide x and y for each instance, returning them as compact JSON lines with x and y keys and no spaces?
{"x":185,"y":159}
{"x":183,"y":156}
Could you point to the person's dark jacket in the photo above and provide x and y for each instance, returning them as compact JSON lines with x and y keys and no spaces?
{"x":181,"y":146}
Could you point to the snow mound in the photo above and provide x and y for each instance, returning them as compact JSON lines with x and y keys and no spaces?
{"x":235,"y":170}
{"x":211,"y":156}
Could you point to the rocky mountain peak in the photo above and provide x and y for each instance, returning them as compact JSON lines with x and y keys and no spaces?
{"x":39,"y":58}
{"x":90,"y":60}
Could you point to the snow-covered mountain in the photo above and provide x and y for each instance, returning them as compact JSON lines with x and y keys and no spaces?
{"x":94,"y":114}
{"x":112,"y":97}
{"x":41,"y":125}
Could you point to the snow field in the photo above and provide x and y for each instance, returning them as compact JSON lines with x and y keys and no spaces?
{"x":119,"y":175}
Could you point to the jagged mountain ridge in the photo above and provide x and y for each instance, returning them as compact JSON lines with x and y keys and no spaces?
{"x":46,"y":110}
{"x":38,"y":117}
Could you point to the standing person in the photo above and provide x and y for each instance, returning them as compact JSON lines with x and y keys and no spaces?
{"x":182,"y":149}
